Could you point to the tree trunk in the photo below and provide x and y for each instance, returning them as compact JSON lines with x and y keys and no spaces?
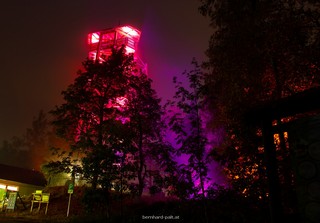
{"x":141,"y":175}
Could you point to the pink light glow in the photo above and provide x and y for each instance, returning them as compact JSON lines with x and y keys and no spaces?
{"x":100,"y":43}
{"x":130,"y":31}
{"x":92,"y":55}
{"x":121,"y":101}
{"x":93,"y":38}
{"x":129,"y":50}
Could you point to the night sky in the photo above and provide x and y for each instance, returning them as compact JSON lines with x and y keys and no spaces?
{"x":43,"y":44}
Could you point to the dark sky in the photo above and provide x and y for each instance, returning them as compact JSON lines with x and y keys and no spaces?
{"x":43,"y":44}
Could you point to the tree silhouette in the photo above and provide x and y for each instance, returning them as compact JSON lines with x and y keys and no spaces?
{"x":144,"y":114}
{"x":31,"y":149}
{"x":37,"y":140}
{"x":89,"y":117}
{"x":112,"y":119}
{"x":187,"y":122}
{"x":259,"y":51}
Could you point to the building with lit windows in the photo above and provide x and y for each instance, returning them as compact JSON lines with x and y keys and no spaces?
{"x":16,"y":179}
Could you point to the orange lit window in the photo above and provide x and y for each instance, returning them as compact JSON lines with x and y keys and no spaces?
{"x":276,"y":138}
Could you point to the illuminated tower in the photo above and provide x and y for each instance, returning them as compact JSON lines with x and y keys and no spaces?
{"x":101,"y":43}
{"x":100,"y":46}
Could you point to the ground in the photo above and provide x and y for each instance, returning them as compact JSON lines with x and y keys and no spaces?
{"x":130,"y":210}
{"x":57,"y":208}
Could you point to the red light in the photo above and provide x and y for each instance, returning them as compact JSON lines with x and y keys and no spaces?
{"x":101,"y":42}
{"x":92,"y":55}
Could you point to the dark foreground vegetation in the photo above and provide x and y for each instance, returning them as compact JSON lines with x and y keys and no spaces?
{"x":227,"y":207}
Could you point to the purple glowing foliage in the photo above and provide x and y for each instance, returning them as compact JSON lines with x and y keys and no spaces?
{"x":214,"y":138}
{"x":161,"y":74}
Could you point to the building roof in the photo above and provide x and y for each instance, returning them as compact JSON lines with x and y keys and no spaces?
{"x":22,"y":175}
{"x":298,"y":103}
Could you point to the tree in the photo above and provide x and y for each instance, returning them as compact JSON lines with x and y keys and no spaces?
{"x":112,"y":119}
{"x":143,"y":113}
{"x":88,"y":119}
{"x":37,"y":140}
{"x":13,"y":152}
{"x":187,"y":122}
{"x":31,"y":149}
{"x":259,"y":50}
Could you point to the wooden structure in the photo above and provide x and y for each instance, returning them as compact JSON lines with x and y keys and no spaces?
{"x":301,"y":103}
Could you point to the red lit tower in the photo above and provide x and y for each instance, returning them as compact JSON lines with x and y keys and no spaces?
{"x":101,"y":42}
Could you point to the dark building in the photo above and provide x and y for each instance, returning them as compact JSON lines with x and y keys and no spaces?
{"x":23,"y":180}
